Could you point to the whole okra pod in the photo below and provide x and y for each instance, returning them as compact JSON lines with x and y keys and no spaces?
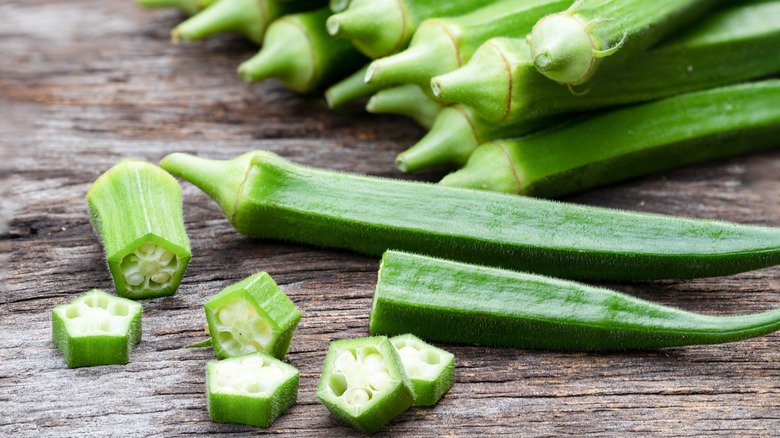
{"x":408,"y":100}
{"x":264,"y":195}
{"x":301,"y":54}
{"x":731,"y":45}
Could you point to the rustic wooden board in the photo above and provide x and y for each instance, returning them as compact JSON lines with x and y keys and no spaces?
{"x":84,"y":83}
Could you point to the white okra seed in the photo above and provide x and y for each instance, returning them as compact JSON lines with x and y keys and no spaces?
{"x":345,"y":361}
{"x":357,"y":396}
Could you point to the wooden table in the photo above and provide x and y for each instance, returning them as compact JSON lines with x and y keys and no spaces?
{"x":84,"y":83}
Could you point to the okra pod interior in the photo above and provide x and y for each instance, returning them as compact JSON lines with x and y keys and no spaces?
{"x":431,"y":370}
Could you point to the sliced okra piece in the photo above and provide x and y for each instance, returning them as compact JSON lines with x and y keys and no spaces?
{"x":135,"y":210}
{"x":363,"y":383}
{"x":252,"y":389}
{"x":252,"y":315}
{"x":96,"y":329}
{"x":430,"y":369}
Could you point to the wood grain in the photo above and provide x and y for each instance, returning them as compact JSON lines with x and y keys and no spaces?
{"x":84,"y":83}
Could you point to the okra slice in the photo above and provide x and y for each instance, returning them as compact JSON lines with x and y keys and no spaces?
{"x":252,"y":315}
{"x":252,"y":389}
{"x":363,"y":383}
{"x":135,"y":210}
{"x":430,"y":369}
{"x":96,"y":329}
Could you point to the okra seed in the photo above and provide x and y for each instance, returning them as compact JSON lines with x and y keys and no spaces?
{"x":225,"y":316}
{"x":357,"y":396}
{"x":373,"y":360}
{"x":252,"y":362}
{"x":166,"y":258}
{"x":378,"y":380}
{"x":135,"y":279}
{"x":160,"y":277}
{"x":147,"y":247}
{"x":345,"y":361}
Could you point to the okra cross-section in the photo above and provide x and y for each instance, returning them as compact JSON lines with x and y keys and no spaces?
{"x":252,"y":389}
{"x":135,"y":210}
{"x":252,"y":315}
{"x":430,"y":369}
{"x":363,"y":383}
{"x":96,"y":329}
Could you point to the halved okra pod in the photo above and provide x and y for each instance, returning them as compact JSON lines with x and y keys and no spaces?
{"x":252,"y":389}
{"x":189,"y":7}
{"x":96,"y":329}
{"x":629,"y":142}
{"x":301,"y":54}
{"x":447,"y":301}
{"x":363,"y":383}
{"x":349,"y":89}
{"x":731,"y":45}
{"x":382,"y":27}
{"x":264,"y":195}
{"x":431,"y":370}
{"x":252,"y":315}
{"x":135,"y":210}
{"x":406,"y":100}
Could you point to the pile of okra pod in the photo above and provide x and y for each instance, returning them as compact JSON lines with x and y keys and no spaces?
{"x":540,"y":97}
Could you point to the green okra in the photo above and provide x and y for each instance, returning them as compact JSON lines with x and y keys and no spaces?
{"x":349,"y":89}
{"x":252,"y":315}
{"x":630,"y":142}
{"x":441,"y":45}
{"x":96,"y":329}
{"x":570,"y":46}
{"x":431,"y":370}
{"x":189,"y":7}
{"x":447,"y":301}
{"x":250,"y":18}
{"x":135,"y":210}
{"x":299,"y":52}
{"x":264,"y":195}
{"x":338,"y":5}
{"x":457,"y":131}
{"x":363,"y":383}
{"x":407,"y":100}
{"x":382,"y":27}
{"x":731,"y":45}
{"x":252,"y":389}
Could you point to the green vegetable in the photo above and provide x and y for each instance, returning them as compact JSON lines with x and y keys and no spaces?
{"x":442,"y":300}
{"x":189,"y":7}
{"x":457,"y":131}
{"x":441,"y":45}
{"x":351,"y":88}
{"x":338,"y":5}
{"x":630,"y":142}
{"x":731,"y":45}
{"x":96,"y":329}
{"x":264,"y":195}
{"x":408,"y":100}
{"x":300,"y":53}
{"x":382,"y":27}
{"x":207,"y":343}
{"x":568,"y":47}
{"x":252,"y":315}
{"x":250,"y":18}
{"x":135,"y":210}
{"x":253,"y":389}
{"x":431,"y":370}
{"x":363,"y":383}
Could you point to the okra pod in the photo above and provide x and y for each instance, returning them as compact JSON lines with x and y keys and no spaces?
{"x":382,"y":27}
{"x":407,"y":100}
{"x":189,"y":7}
{"x":351,"y":88}
{"x":301,"y":54}
{"x":447,"y":301}
{"x":135,"y":210}
{"x":96,"y":329}
{"x":338,"y":5}
{"x":570,"y":46}
{"x":731,"y":45}
{"x":431,"y":370}
{"x":441,"y":45}
{"x":250,"y":18}
{"x":630,"y":142}
{"x":264,"y":195}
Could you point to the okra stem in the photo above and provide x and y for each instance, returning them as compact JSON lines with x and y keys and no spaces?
{"x":407,"y":100}
{"x":264,"y":195}
{"x":351,"y":88}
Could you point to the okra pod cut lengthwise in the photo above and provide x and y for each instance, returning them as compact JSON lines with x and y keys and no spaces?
{"x":264,"y":195}
{"x":446,"y":301}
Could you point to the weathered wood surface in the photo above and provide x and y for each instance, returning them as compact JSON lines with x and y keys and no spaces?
{"x":84,"y":83}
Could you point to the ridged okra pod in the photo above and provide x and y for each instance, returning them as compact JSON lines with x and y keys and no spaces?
{"x":570,"y":46}
{"x":630,"y":142}
{"x":731,"y":45}
{"x":189,"y":7}
{"x":441,"y":45}
{"x":363,"y":383}
{"x":135,"y":210}
{"x":382,"y":27}
{"x":264,"y":195}
{"x":447,"y":301}
{"x":406,"y":100}
{"x":250,"y":18}
{"x":300,"y":53}
{"x":349,"y":89}
{"x":431,"y":370}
